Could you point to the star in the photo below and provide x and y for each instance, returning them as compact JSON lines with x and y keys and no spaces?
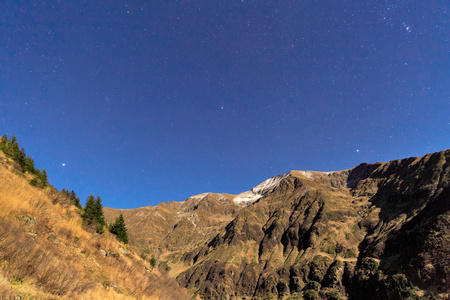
{"x":357,"y":150}
{"x":63,"y":164}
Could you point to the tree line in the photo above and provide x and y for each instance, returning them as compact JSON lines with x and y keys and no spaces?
{"x":11,"y":149}
{"x":92,"y":213}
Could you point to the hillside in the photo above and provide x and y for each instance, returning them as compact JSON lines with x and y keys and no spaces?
{"x":46,"y":253}
{"x":376,"y":231}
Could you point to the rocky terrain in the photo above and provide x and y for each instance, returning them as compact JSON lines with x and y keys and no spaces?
{"x":376,"y":231}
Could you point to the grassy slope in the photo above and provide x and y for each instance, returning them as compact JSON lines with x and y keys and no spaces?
{"x":162,"y":231}
{"x":45,"y":253}
{"x":376,"y":231}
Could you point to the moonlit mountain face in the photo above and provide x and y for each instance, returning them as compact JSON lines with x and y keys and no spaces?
{"x":233,"y":149}
{"x":146,"y":102}
{"x":375,"y":231}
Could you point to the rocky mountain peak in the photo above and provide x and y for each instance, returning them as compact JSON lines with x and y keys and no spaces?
{"x":375,"y":231}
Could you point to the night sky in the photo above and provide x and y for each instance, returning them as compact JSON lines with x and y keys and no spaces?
{"x":143,"y":102}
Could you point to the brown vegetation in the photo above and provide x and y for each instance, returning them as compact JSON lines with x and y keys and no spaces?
{"x":376,"y":231}
{"x":45,"y":253}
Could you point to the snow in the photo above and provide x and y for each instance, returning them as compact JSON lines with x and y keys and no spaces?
{"x":310,"y":174}
{"x":246,"y":198}
{"x":262,"y":189}
{"x":269,"y":184}
{"x":307,"y":174}
{"x":199,"y":196}
{"x":259,"y":191}
{"x":186,"y":205}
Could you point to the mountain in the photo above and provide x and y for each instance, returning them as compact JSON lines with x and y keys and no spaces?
{"x":376,"y":231}
{"x":46,"y":252}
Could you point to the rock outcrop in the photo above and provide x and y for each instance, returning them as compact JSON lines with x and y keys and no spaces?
{"x":376,"y":231}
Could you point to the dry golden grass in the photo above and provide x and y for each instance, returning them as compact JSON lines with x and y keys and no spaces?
{"x":35,"y":265}
{"x":5,"y":287}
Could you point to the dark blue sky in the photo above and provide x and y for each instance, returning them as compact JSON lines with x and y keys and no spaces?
{"x":153,"y":101}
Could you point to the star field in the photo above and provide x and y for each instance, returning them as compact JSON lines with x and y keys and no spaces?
{"x":144,"y":102}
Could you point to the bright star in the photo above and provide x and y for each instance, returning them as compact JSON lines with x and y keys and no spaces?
{"x":63,"y":165}
{"x":357,"y":150}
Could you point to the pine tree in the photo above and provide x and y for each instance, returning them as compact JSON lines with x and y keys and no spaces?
{"x":6,"y":146}
{"x":29,"y":165}
{"x":99,"y":215}
{"x":13,"y":148}
{"x":44,"y":178}
{"x":89,"y":210}
{"x":74,"y":198}
{"x":22,"y":159}
{"x":4,"y":143}
{"x":93,"y":213}
{"x":119,"y":229}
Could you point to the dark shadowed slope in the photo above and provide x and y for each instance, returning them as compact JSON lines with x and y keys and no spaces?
{"x":376,"y":231}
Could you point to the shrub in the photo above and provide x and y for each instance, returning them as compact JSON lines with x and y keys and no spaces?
{"x":153,"y":261}
{"x":313,"y":285}
{"x":333,"y":295}
{"x":310,"y":295}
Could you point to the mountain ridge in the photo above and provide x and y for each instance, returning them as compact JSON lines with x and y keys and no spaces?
{"x":314,"y":233}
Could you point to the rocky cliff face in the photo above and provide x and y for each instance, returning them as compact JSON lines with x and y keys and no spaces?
{"x":376,"y":231}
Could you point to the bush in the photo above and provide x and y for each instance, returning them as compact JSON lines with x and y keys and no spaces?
{"x":333,"y":295}
{"x":313,"y":285}
{"x":310,"y":295}
{"x":370,"y":264}
{"x":153,"y":261}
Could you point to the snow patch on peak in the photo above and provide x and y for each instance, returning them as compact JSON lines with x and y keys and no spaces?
{"x":246,"y":198}
{"x":199,"y":196}
{"x":307,"y":174}
{"x":269,"y":184}
{"x":313,"y":174}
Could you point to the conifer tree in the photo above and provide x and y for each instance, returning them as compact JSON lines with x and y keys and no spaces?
{"x":5,"y":145}
{"x":93,"y":213}
{"x":29,"y":165}
{"x":44,"y":177}
{"x":74,"y":198}
{"x":14,"y":148}
{"x":119,"y":229}
{"x":21,"y":159}
{"x":99,"y":215}
{"x":4,"y":142}
{"x":11,"y":148}
{"x":89,"y":210}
